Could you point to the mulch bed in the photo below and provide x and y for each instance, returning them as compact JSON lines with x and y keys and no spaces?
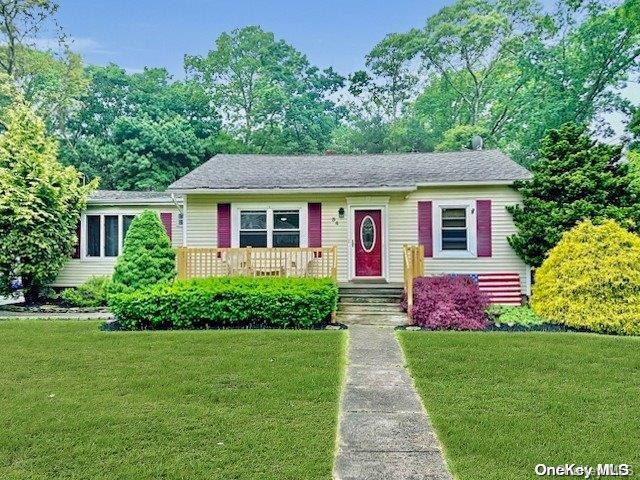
{"x":545,"y":327}
{"x":113,"y":326}
{"x":50,"y":308}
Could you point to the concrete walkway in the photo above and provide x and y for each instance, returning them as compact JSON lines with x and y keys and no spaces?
{"x":384,"y":431}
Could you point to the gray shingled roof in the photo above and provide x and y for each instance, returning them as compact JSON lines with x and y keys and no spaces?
{"x":120,"y":196}
{"x":228,"y":172}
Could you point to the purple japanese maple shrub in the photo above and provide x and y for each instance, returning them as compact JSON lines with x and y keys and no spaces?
{"x":451,"y":302}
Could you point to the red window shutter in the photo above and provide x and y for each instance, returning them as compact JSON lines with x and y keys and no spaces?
{"x":314,"y":224}
{"x":76,"y":253}
{"x":425,"y":226}
{"x":483,"y":225}
{"x":224,"y":225}
{"x":166,"y":218}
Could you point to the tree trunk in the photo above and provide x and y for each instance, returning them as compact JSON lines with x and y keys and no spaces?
{"x":30,"y":291}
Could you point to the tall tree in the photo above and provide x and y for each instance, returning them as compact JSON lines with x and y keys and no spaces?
{"x":513,"y":69}
{"x":20,"y":23}
{"x":140,"y":131}
{"x":574,"y":179}
{"x":53,"y":84}
{"x":267,"y":92}
{"x":40,"y":203}
{"x":390,"y":86}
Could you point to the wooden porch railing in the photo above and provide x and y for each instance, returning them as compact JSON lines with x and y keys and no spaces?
{"x":257,"y":262}
{"x":413,"y":261}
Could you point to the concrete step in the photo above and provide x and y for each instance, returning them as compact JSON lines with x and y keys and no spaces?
{"x":358,"y":298}
{"x":372,"y":319}
{"x":370,"y":291}
{"x":360,"y":307}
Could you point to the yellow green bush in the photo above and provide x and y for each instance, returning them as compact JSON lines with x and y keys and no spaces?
{"x":591,"y":280}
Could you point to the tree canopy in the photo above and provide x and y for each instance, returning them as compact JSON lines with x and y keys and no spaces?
{"x":575,"y":179}
{"x":267,"y":92}
{"x":506,"y":70}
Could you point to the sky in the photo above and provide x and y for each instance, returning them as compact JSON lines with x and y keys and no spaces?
{"x":139,"y":33}
{"x":158,"y":33}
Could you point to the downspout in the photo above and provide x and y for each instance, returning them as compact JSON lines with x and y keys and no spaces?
{"x":182,"y":210}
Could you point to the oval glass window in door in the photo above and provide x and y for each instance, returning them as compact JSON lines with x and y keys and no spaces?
{"x":367,"y":234}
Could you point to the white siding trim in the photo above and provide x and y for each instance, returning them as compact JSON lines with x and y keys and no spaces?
{"x":184,"y":223}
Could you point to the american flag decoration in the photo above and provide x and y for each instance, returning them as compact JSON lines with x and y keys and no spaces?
{"x":503,"y":288}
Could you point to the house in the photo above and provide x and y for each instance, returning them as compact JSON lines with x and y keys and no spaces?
{"x":368,"y":206}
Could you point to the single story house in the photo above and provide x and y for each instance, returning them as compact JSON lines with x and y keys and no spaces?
{"x":368,"y":206}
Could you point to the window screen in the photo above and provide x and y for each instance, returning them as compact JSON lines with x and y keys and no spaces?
{"x":253,"y":228}
{"x":93,"y":235}
{"x":111,"y":236}
{"x":454,"y":229}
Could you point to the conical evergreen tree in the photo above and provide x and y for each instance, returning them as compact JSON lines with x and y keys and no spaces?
{"x":147,"y":256}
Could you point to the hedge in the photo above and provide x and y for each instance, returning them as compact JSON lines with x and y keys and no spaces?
{"x":227,"y":302}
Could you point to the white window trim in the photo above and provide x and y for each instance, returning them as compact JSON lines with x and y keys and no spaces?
{"x":472,"y":246}
{"x":269,"y":207}
{"x":85,"y":231}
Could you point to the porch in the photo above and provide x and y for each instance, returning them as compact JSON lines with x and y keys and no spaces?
{"x":316,"y":262}
{"x":358,"y":298}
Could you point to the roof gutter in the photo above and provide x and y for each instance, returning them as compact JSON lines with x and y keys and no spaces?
{"x":124,"y":201}
{"x":469,"y":183}
{"x":279,"y":191}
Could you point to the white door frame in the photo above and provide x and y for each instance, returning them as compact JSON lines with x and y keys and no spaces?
{"x":368,"y":203}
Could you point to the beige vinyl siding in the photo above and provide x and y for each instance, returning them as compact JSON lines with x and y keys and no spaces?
{"x":402,"y":216}
{"x":79,"y":270}
{"x":202,"y":220}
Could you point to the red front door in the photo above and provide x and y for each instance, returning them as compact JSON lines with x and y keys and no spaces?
{"x":368,"y":243}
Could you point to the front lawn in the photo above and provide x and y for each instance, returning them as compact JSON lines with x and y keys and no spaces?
{"x":79,"y":403}
{"x":502,"y":403}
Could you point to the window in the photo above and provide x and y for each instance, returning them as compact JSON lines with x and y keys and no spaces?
{"x":454,"y":229}
{"x":286,"y":228}
{"x":105,"y":234}
{"x":270,"y":227}
{"x":111,"y":236}
{"x":126,"y":223}
{"x":94,"y":235}
{"x":253,"y":228}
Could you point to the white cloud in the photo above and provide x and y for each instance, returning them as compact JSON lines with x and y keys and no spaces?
{"x":77,"y":44}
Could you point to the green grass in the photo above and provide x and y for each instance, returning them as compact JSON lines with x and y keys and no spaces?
{"x":502,"y":403}
{"x":77,"y":403}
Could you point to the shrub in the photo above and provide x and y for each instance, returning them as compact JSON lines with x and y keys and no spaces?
{"x":513,"y":316}
{"x":227,"y":302}
{"x":449,"y":302}
{"x":591,"y":280}
{"x":92,"y":293}
{"x":147,"y":257}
